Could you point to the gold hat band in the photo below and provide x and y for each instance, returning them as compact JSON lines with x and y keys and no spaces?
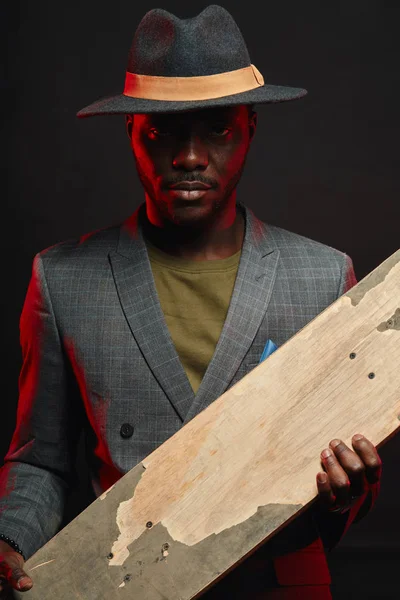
{"x":205,"y":87}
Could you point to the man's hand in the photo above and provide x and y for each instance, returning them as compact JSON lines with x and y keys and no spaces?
{"x":12,"y":574}
{"x":347,"y":474}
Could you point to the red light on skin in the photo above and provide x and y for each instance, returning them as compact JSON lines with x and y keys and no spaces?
{"x":209,"y":146}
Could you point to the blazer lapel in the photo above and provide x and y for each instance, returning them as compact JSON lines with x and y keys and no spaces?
{"x":251,"y":295}
{"x":138,"y":296}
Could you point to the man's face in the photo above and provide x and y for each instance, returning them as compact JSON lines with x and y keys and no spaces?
{"x":203,"y":151}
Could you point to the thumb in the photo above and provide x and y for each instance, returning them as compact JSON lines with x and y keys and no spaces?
{"x":19,"y":580}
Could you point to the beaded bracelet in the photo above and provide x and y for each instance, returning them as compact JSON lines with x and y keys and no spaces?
{"x":11,"y":543}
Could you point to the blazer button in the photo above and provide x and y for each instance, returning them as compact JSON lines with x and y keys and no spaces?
{"x":126,"y":430}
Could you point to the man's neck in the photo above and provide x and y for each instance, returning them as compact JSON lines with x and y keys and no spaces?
{"x":209,"y":243}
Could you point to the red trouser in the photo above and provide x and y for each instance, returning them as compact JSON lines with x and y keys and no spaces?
{"x":299,"y":575}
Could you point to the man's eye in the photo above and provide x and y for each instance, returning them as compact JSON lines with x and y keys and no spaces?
{"x":220,"y":130}
{"x":156,"y":132}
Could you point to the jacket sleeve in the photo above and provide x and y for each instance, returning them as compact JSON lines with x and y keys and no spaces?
{"x":37,"y":467}
{"x":333,"y":526}
{"x":348,"y":277}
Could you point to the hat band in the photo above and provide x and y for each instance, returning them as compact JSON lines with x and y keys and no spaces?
{"x":205,"y":87}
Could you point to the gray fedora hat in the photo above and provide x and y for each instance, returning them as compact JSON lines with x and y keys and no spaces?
{"x":185,"y":64}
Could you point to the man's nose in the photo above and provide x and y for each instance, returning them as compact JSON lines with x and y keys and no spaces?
{"x":191,"y":155}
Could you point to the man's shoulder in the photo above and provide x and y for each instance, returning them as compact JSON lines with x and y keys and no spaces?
{"x":295,"y":246}
{"x":302,"y":258}
{"x":89,"y":247}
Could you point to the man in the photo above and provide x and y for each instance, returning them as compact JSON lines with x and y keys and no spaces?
{"x":129,"y":332}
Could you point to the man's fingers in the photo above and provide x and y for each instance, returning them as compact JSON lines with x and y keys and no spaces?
{"x":12,"y":575}
{"x":20,"y":580}
{"x":347,"y":471}
{"x":369,"y":456}
{"x":326,"y":496}
{"x":351,"y":464}
{"x":338,"y":479}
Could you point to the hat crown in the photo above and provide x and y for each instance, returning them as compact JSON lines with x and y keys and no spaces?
{"x":167,"y":46}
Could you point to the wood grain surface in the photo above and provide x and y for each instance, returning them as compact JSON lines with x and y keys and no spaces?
{"x":241,"y":469}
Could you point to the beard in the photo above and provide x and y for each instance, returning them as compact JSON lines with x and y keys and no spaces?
{"x":171,"y":216}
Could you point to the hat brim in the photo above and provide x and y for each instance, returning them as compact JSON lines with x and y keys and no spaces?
{"x":121,"y":104}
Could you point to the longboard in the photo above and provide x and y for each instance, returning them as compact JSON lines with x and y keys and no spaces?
{"x":243,"y":468}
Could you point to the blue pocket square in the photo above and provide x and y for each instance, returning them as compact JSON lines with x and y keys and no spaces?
{"x":269,"y":348}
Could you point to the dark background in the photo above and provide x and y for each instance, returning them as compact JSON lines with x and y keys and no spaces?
{"x":325,"y":166}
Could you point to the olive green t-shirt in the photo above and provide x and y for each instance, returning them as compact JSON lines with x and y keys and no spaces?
{"x":194,"y":296}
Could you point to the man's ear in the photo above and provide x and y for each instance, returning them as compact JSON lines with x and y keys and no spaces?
{"x":252,"y":124}
{"x":129,"y":125}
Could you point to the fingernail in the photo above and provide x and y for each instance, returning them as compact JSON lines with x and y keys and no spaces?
{"x":325,"y":453}
{"x":357,"y":437}
{"x":322,"y":477}
{"x":335,"y":443}
{"x":21,"y":583}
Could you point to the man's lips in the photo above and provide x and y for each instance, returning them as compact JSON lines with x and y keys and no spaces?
{"x":189,"y":190}
{"x":190,"y":186}
{"x":184,"y":194}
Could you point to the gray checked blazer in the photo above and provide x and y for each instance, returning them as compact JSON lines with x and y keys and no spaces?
{"x":98,"y":355}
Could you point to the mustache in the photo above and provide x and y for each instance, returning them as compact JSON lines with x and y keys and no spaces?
{"x":189,"y":177}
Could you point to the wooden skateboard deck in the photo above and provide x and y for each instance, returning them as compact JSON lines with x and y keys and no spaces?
{"x":241,"y":469}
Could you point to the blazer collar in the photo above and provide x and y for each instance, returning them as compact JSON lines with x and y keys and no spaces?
{"x":250,"y":298}
{"x":139,"y":300}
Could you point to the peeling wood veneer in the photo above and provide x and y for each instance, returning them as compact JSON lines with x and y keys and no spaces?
{"x":392,"y":323}
{"x":373,"y":279}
